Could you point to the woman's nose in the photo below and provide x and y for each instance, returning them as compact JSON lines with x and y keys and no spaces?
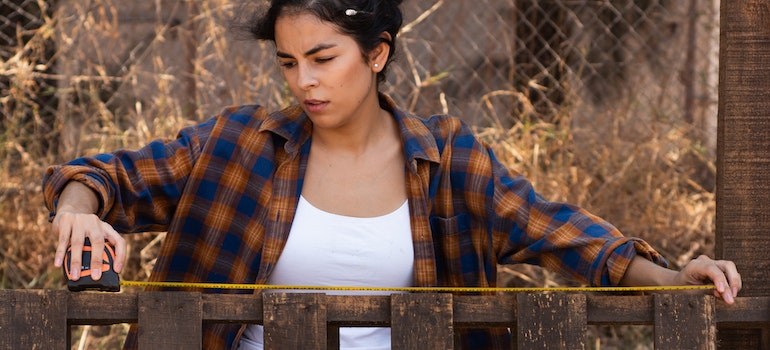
{"x":306,"y":78}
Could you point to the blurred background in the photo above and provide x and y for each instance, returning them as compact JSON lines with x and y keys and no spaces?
{"x":608,"y":104}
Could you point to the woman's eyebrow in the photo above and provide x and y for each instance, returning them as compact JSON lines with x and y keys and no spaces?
{"x":314,"y":50}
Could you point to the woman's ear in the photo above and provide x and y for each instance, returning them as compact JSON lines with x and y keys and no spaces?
{"x":379,"y":56}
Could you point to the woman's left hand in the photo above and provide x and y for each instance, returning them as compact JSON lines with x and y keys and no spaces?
{"x":722,"y":273}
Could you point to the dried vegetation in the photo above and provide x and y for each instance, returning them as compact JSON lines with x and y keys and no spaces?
{"x":655,"y":185}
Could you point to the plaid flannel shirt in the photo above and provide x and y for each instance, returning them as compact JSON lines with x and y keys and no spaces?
{"x":226,"y":190}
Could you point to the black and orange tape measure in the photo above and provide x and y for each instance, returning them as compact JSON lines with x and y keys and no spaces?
{"x":109,"y":282}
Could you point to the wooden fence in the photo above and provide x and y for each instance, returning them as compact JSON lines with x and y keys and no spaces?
{"x":41,"y":319}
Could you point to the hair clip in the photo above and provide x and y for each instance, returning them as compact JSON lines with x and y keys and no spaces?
{"x":353,"y":12}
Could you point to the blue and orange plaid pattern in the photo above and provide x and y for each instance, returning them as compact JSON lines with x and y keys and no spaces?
{"x":226,"y":191}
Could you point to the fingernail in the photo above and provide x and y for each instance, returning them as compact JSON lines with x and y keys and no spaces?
{"x":720,"y":287}
{"x":729,"y":298}
{"x":95,"y":274}
{"x":57,"y":262}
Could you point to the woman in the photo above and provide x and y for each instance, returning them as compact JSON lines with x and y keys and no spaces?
{"x":342,"y":189}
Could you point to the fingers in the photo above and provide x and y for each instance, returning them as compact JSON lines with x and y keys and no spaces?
{"x":73,"y":229}
{"x":64,"y":241}
{"x":723,"y":273}
{"x":97,"y":247}
{"x":118,"y":243}
{"x":731,"y":273}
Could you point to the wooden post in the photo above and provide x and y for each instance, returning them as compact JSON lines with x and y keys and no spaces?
{"x":685,"y":322}
{"x":551,"y":321}
{"x":422,"y":321}
{"x":33,"y":319}
{"x":743,"y":154}
{"x":170,"y":320}
{"x":295,"y":320}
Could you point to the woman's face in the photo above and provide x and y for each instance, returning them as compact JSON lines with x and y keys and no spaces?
{"x":325,"y":70}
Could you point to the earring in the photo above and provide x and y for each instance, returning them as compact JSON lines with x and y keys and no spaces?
{"x":376,"y":65}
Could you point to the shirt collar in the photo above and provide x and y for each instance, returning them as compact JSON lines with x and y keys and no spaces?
{"x":418,"y":141}
{"x":293,"y":125}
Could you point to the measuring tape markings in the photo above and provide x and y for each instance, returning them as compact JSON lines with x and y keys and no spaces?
{"x":413,"y":289}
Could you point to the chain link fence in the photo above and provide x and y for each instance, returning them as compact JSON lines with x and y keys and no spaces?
{"x":505,"y":60}
{"x":27,"y":93}
{"x":489,"y":61}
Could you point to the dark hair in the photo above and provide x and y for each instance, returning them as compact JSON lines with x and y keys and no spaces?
{"x":366,"y":25}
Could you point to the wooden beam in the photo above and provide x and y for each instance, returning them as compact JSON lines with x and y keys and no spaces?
{"x":123,"y":308}
{"x":29,"y":318}
{"x":468,"y":311}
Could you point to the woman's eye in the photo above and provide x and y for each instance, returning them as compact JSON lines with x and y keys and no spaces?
{"x":287,"y":64}
{"x":324,"y":59}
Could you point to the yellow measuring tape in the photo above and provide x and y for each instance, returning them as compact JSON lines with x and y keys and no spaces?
{"x":412,"y":289}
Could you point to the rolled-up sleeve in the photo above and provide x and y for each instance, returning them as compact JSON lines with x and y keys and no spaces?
{"x":137,"y":189}
{"x":560,"y":237}
{"x":520,"y":225}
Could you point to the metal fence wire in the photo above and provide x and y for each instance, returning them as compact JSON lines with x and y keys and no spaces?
{"x":503,"y":59}
{"x":26,"y":61}
{"x":20,"y":21}
{"x":489,"y":61}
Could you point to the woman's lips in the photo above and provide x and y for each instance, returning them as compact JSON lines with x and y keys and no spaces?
{"x":315,"y":106}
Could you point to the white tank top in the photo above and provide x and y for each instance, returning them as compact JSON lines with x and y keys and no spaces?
{"x":325,"y":249}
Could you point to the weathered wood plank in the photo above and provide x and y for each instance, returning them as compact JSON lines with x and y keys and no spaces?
{"x":170,"y":320}
{"x":551,"y":321}
{"x":232,"y":308}
{"x":746,"y":312}
{"x":33,"y":319}
{"x":468,"y":311}
{"x":743,"y":155}
{"x":484,"y":311}
{"x":743,"y":152}
{"x":81,"y":311}
{"x":637,"y":310}
{"x":362,"y":310}
{"x":294,"y":320}
{"x":684,"y":322}
{"x":421,"y":321}
{"x":333,"y":337}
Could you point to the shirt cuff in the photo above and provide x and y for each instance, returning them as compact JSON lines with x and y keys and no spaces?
{"x":57,"y":178}
{"x":622,"y":255}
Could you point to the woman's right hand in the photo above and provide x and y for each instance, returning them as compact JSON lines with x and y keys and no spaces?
{"x":75,"y":221}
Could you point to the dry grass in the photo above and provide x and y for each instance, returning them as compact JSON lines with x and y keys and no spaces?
{"x":651,"y":185}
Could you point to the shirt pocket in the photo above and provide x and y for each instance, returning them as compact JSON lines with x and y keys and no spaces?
{"x":444,"y":227}
{"x":456,"y":255}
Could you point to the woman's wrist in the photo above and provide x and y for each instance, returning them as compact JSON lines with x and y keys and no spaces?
{"x":77,"y":198}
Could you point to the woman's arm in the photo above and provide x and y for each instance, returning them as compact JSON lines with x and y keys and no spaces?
{"x":723,"y":273}
{"x":132,"y":190}
{"x":137,"y":190}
